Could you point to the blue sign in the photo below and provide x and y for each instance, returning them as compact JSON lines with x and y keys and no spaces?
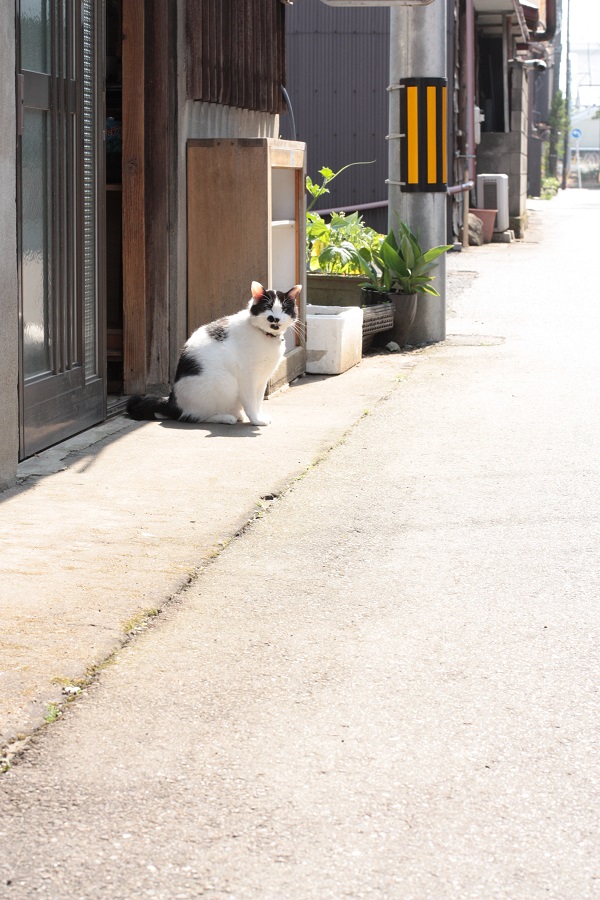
{"x":576,"y":133}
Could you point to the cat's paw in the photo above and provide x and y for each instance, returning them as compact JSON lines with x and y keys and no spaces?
{"x":260,"y":420}
{"x":222,"y":419}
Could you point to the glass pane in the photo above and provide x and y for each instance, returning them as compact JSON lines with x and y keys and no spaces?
{"x":35,"y":35}
{"x":75,"y":354}
{"x":36,"y":243}
{"x":89,"y":190}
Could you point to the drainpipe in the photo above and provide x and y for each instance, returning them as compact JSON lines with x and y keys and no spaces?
{"x":469,"y":145}
{"x":550,"y":31}
{"x":506,"y":33}
{"x":470,"y":92}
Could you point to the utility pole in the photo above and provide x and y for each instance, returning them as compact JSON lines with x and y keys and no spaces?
{"x":418,"y":49}
{"x":566,"y":146}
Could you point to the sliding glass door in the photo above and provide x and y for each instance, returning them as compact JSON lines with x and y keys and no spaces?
{"x":60,"y":131}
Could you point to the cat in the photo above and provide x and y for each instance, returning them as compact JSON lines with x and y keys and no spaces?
{"x":224,"y":367}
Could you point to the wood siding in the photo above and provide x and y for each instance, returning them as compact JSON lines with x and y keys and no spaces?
{"x":236,"y":53}
{"x":134,"y":193}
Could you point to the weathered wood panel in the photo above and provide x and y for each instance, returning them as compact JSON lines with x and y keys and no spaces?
{"x":236,"y":53}
{"x":228,"y":196}
{"x":156,"y":191}
{"x":134,"y":218}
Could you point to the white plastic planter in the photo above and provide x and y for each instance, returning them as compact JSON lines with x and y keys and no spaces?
{"x":333,"y":338}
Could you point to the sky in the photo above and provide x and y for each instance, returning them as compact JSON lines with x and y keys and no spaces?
{"x":584,"y":31}
{"x":584,"y":21}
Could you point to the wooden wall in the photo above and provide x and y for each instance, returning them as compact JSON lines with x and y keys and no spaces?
{"x":236,"y":53}
{"x":145,"y":194}
{"x":235,"y":56}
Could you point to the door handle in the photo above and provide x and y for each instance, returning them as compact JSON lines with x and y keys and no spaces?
{"x":20,"y":104}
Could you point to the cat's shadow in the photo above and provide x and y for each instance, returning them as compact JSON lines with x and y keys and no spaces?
{"x":242,"y":429}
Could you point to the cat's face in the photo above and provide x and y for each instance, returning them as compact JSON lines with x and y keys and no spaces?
{"x":273,"y":311}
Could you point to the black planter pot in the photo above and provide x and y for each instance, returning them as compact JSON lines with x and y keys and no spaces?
{"x":371,"y":297}
{"x":405,"y":310}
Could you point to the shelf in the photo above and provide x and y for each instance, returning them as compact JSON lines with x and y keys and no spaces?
{"x":284,"y":223}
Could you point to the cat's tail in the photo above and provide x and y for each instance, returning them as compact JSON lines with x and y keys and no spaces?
{"x":145,"y":408}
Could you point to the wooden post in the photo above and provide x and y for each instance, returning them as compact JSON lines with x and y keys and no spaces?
{"x":134,"y":230}
{"x":465,"y":228}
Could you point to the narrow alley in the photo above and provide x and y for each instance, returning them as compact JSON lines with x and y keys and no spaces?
{"x":386,"y":685}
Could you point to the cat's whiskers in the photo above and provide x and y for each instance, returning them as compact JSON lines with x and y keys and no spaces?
{"x":299,"y":329}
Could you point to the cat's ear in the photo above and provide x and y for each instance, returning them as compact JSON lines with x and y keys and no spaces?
{"x":293,"y":292}
{"x":258,"y":291}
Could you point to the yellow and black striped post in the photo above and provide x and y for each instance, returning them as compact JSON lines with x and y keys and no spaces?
{"x":423,"y":134}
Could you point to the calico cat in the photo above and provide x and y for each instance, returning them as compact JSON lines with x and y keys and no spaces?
{"x":224,"y":367}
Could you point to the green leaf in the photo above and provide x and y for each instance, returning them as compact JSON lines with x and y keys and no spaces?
{"x":317,"y":230}
{"x":422,"y":267}
{"x":406,"y":251}
{"x":393,"y":261}
{"x":436,"y":251}
{"x":391,"y":241}
{"x":340,"y":257}
{"x":368,"y":272}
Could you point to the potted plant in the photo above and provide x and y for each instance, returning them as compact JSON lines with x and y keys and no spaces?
{"x":334,"y":273}
{"x":401,"y":271}
{"x":335,"y":251}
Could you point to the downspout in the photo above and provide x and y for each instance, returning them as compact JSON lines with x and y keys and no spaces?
{"x":506,"y":31}
{"x":548,"y":34}
{"x":469,"y":145}
{"x":470,"y":92}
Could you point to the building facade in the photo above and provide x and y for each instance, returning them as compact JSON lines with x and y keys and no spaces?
{"x":98,"y":101}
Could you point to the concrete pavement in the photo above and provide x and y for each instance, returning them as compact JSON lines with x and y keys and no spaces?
{"x":388,"y":684}
{"x":107,"y":527}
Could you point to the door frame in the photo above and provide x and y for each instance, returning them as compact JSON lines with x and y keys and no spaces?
{"x":134,"y":198}
{"x":55,"y":406}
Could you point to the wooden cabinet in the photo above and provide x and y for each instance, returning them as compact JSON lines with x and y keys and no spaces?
{"x":246,"y":222}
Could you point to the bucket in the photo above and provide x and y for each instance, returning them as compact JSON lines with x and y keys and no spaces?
{"x":487,"y":218}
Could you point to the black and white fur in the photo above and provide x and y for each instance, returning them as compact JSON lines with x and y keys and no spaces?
{"x":224,"y":367}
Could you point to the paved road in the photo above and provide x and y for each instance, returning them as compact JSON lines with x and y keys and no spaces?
{"x":387,"y":686}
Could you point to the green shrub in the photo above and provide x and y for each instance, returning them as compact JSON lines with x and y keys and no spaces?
{"x":331,"y":247}
{"x":550,"y":188}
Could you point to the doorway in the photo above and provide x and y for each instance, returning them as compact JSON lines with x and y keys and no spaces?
{"x":60,"y":231}
{"x":114,"y":206}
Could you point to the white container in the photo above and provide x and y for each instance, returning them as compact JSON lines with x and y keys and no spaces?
{"x":492,"y":193}
{"x":333,"y":338}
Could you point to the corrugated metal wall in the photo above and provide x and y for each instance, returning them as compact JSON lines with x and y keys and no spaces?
{"x":337,"y":75}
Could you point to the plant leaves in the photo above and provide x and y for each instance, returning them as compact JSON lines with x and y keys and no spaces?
{"x":391,"y":241}
{"x":406,"y":250}
{"x":393,"y":260}
{"x":436,"y":251}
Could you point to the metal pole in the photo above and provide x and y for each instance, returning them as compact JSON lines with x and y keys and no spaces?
{"x":566,"y":147}
{"x":418,"y":48}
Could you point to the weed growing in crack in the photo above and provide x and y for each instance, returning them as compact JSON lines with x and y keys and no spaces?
{"x":139,"y":621}
{"x":53,"y":712}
